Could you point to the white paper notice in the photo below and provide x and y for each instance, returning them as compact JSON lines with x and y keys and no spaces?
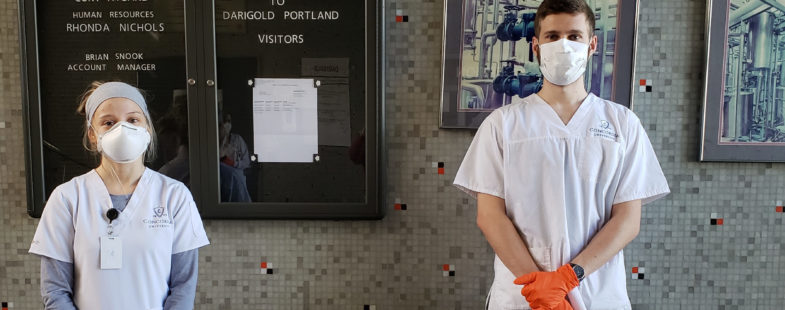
{"x":285,"y":122}
{"x":334,"y":114}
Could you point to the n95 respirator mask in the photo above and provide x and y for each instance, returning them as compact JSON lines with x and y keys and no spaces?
{"x":124,"y":143}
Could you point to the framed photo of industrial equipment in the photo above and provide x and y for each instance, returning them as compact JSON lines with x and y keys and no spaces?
{"x":744,"y":96}
{"x":487,"y":59}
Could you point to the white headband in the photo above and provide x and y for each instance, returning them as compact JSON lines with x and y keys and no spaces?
{"x":114,"y":90}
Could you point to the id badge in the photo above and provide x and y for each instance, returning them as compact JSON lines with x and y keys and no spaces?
{"x":111,"y":252}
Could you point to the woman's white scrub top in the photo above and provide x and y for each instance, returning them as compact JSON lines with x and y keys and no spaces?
{"x":559,"y":183}
{"x":160,"y":219}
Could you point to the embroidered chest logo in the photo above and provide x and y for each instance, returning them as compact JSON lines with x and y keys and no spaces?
{"x":159,"y":219}
{"x":605,"y":130}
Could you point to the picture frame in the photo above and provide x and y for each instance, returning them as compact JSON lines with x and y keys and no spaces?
{"x":484,"y":70}
{"x":743,"y":120}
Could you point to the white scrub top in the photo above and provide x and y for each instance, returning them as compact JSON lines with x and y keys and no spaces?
{"x":559,"y":183}
{"x":160,"y":219}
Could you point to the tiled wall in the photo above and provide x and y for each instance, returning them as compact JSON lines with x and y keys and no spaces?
{"x":715,"y":243}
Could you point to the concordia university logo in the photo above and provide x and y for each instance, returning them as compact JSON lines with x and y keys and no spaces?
{"x":605,"y":131}
{"x":159,"y":212}
{"x":160,"y":219}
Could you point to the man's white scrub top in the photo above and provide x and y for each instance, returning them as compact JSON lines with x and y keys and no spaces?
{"x":160,"y":219}
{"x":559,"y":183}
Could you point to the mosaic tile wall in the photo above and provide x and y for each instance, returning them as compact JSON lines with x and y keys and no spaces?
{"x":715,"y":243}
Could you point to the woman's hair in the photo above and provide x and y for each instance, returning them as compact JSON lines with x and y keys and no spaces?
{"x":152,"y":148}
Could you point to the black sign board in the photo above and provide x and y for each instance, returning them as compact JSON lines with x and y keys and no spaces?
{"x":200,"y":66}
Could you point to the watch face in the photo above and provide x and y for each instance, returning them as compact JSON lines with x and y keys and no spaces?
{"x":578,"y":271}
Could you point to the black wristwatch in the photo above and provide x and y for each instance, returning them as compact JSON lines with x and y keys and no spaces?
{"x":578,"y":271}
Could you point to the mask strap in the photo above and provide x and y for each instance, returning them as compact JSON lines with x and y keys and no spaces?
{"x":122,"y":186}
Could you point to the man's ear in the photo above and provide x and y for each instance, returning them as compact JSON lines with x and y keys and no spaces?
{"x":536,"y":47}
{"x":593,"y":45}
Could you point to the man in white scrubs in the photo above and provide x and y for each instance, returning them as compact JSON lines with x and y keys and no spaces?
{"x":560,"y":177}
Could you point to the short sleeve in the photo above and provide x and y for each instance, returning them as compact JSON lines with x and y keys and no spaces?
{"x":482,"y":168}
{"x":641,"y":174}
{"x":189,"y":231}
{"x":54,"y":237}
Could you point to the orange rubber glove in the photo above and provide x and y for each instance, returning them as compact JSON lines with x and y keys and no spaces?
{"x":565,"y":305}
{"x":546,"y":290}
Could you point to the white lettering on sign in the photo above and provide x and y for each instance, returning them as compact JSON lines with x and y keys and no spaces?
{"x":128,"y":56}
{"x":311,"y":15}
{"x":92,"y":57}
{"x":248,"y":15}
{"x":86,"y":67}
{"x":78,"y":15}
{"x":69,"y":27}
{"x":281,"y":38}
{"x":135,"y":67}
{"x":142,"y":27}
{"x":131,"y":14}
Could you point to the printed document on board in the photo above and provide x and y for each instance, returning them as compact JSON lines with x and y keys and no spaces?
{"x":285,"y":121}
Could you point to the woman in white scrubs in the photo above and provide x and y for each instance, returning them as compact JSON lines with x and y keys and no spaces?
{"x":121,"y":236}
{"x":560,"y":177}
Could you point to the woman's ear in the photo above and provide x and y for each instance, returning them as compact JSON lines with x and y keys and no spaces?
{"x":92,"y":136}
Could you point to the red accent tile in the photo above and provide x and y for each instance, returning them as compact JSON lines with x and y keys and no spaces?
{"x":643,"y":82}
{"x":264,"y":264}
{"x":399,"y":19}
{"x":446,"y":267}
{"x":719,"y":221}
{"x":441,"y":170}
{"x":634,"y":269}
{"x":780,"y":209}
{"x":397,"y":206}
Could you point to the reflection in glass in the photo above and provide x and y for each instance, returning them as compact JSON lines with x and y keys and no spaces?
{"x":234,"y":157}
{"x":173,"y":137}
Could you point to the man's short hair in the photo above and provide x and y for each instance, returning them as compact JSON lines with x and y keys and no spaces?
{"x":551,"y":7}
